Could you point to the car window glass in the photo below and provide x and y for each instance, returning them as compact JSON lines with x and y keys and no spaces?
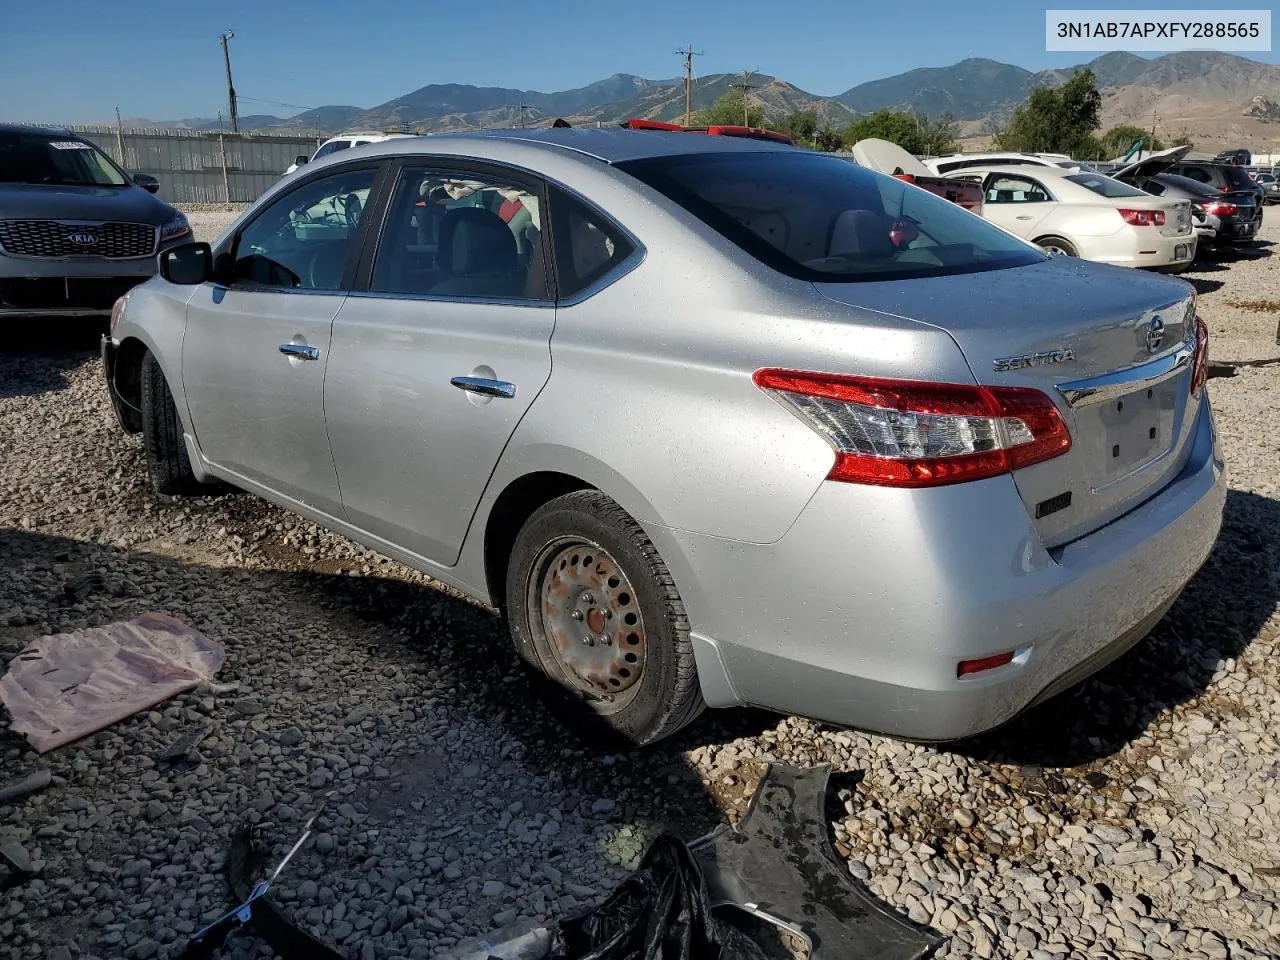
{"x":332,"y":147}
{"x":1154,"y":187}
{"x":303,"y":238}
{"x":458,"y":234}
{"x":1005,"y":189}
{"x":39,"y":158}
{"x":1104,"y":186}
{"x":587,"y":245}
{"x":823,"y":219}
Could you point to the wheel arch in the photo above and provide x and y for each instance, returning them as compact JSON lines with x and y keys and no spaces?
{"x":126,"y":377}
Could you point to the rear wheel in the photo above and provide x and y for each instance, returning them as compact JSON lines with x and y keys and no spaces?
{"x":166,"y":451}
{"x":594,"y":610}
{"x":1057,"y":247}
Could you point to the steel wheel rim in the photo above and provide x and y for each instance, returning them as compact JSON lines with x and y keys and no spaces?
{"x":586,"y":619}
{"x":1055,"y":250}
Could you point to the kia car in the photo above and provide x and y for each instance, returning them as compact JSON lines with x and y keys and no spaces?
{"x":76,"y":231}
{"x":697,"y":416}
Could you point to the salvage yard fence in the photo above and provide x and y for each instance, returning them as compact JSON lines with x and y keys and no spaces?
{"x":196,"y":166}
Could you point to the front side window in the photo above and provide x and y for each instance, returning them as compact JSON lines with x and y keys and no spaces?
{"x":1006,"y":189}
{"x":302,"y":240}
{"x":1104,"y":186}
{"x":40,"y":158}
{"x":451,"y":233}
{"x":823,"y":219}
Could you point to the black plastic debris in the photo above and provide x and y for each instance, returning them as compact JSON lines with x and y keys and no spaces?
{"x":778,"y":863}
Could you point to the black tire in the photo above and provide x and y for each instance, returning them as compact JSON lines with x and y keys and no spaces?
{"x":666,"y":695}
{"x":1066,"y":246}
{"x":166,"y":453}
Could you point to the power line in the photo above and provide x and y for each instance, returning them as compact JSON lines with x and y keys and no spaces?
{"x":231,"y":90}
{"x":688,"y":55}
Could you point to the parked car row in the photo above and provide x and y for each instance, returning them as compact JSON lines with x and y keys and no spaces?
{"x":710,"y":419}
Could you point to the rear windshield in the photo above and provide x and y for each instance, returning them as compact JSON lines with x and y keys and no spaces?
{"x":1104,"y":186}
{"x":824,"y":219}
{"x":52,"y":159}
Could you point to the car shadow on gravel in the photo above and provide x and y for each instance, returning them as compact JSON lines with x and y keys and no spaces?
{"x":392,"y":646}
{"x":35,"y":355}
{"x":1223,"y":609}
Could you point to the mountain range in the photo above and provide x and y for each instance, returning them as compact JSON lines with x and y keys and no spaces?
{"x":1193,"y":88}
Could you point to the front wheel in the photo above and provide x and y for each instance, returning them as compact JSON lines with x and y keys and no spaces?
{"x":167,"y":462}
{"x":594,"y":611}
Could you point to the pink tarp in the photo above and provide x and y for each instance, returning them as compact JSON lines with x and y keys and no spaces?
{"x":65,"y":686}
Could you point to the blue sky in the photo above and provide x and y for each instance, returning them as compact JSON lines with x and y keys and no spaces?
{"x":78,"y":60}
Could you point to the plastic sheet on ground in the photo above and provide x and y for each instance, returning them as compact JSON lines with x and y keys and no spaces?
{"x":65,"y":686}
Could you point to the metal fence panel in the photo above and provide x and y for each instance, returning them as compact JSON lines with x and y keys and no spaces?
{"x":199,"y":166}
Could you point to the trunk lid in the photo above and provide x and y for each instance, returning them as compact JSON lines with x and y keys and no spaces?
{"x":1110,"y":349}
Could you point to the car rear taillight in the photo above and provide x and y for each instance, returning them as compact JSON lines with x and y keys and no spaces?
{"x":1220,"y":209}
{"x":1200,"y":362}
{"x":1143,"y":218}
{"x":906,"y":433}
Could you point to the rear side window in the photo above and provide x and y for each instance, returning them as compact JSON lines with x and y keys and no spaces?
{"x":1104,"y":186}
{"x":824,"y":219}
{"x":588,"y":246}
{"x":333,"y":147}
{"x":1199,"y":174}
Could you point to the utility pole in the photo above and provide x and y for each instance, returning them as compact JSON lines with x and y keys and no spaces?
{"x":120,"y":139}
{"x":746,"y":89}
{"x":231,"y":90}
{"x":689,"y":53}
{"x":523,"y":108}
{"x":1151,"y":144}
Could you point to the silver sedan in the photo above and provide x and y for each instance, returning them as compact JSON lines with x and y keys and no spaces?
{"x":712,"y":421}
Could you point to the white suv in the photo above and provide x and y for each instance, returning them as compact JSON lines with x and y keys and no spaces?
{"x":334,"y":144}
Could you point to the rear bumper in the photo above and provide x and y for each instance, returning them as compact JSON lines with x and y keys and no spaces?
{"x":861,"y":613}
{"x":1238,"y":230}
{"x":1154,"y":250}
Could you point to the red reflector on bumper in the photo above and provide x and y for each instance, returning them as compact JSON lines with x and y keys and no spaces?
{"x":967,"y":667}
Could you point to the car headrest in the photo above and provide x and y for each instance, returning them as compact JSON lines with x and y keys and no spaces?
{"x":476,"y":241}
{"x":860,"y":231}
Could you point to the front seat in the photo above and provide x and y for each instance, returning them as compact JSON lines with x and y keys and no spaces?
{"x":861,"y":232}
{"x":478,"y":255}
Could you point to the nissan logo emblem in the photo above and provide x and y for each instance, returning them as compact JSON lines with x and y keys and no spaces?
{"x":83,"y":239}
{"x":1155,"y":334}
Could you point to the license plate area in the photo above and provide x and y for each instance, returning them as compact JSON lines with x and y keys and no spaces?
{"x":1136,"y":430}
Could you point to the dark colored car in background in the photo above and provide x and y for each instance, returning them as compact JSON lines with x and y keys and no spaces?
{"x":1237,"y":220}
{"x":1270,"y":187}
{"x":76,"y":231}
{"x":1227,"y":179}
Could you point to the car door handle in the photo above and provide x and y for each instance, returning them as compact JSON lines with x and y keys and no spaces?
{"x":302,"y":351}
{"x":485,"y":387}
{"x":1025,"y":216}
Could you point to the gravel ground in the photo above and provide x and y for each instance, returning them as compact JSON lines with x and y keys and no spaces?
{"x":1137,"y":816}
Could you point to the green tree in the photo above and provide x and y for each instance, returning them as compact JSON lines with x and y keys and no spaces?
{"x":730,"y":109}
{"x":828,"y":139}
{"x":1117,"y":141}
{"x":801,"y":126}
{"x":1056,"y":119}
{"x":913,"y":132}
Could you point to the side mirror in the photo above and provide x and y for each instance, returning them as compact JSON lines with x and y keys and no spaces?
{"x":301,"y":159}
{"x":147,"y":182}
{"x":188,"y":264}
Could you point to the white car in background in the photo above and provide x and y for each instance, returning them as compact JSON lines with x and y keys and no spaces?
{"x":343,"y":142}
{"x":955,"y":162}
{"x":1075,"y":213}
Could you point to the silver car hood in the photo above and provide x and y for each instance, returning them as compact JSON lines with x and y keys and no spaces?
{"x":36,"y":201}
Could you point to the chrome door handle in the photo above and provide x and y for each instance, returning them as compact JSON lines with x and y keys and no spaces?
{"x":485,"y":387}
{"x":302,"y":351}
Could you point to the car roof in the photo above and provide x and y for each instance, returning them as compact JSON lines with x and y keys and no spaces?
{"x":36,"y":128}
{"x":610,"y":144}
{"x":1044,"y":172}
